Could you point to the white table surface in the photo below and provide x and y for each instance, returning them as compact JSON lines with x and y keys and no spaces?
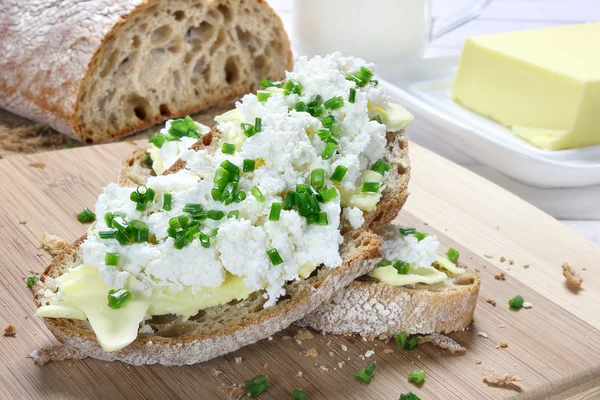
{"x":499,"y":16}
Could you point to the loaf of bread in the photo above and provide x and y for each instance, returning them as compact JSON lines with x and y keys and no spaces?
{"x":100,"y":70}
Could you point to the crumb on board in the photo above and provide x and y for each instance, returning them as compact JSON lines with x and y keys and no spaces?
{"x":323,"y":368}
{"x":231,"y":392}
{"x":502,"y":259}
{"x":270,"y":338}
{"x":572,"y":277}
{"x":303,"y":335}
{"x":526,"y":266}
{"x":388,"y":351}
{"x":39,"y":165}
{"x":286,"y":337}
{"x":23,"y":221}
{"x":483,"y":334}
{"x":527,"y":304}
{"x":501,"y":379}
{"x":344,"y":347}
{"x":53,"y":244}
{"x":369,"y":353}
{"x":216,"y":372}
{"x":488,"y":256}
{"x":10,"y":330}
{"x":311,"y":353}
{"x":238,"y":360}
{"x":502,"y":345}
{"x":501,"y":326}
{"x":299,"y":374}
{"x":443,"y":342}
{"x":477,"y":362}
{"x":341,"y":364}
{"x":511,"y":262}
{"x":492,"y":302}
{"x":500,"y":276}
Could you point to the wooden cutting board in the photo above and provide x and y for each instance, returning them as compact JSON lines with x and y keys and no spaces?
{"x":554,"y":346}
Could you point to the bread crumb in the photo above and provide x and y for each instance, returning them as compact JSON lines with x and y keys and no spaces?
{"x":527,"y":304}
{"x":53,"y":244}
{"x":502,"y":345}
{"x":216,"y":372}
{"x":311,"y":353}
{"x":304,"y":335}
{"x":501,"y":326}
{"x":526,"y":266}
{"x":344,"y":347}
{"x":270,"y":338}
{"x":477,"y":362}
{"x":238,"y":360}
{"x":500,"y":276}
{"x":341,"y":364}
{"x":443,"y":342}
{"x":369,"y":353}
{"x":511,"y":262}
{"x":331,"y":354}
{"x":492,"y":302}
{"x":572,"y":277}
{"x":266,"y":366}
{"x":477,"y":270}
{"x":323,"y":368}
{"x":388,"y":351}
{"x":22,"y":221}
{"x":502,"y":259}
{"x":39,"y":165}
{"x":488,"y":256}
{"x":10,"y":330}
{"x":299,"y":374}
{"x":287,"y":338}
{"x":501,"y":379}
{"x":483,"y":334}
{"x":231,"y":392}
{"x":298,"y":341}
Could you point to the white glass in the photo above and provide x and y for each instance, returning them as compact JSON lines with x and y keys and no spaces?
{"x":384,"y":32}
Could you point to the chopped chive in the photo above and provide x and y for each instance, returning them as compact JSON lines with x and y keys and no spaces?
{"x":240,"y":196}
{"x":384,"y":263}
{"x":257,"y":124}
{"x":312,"y":219}
{"x":409,"y":396}
{"x":274,"y":256}
{"x":327,"y":194}
{"x":381,"y":166}
{"x":339,"y":173}
{"x":300,"y":106}
{"x":403,"y":341}
{"x":228,"y":148}
{"x":216,"y":215}
{"x":322,"y":218}
{"x":266,"y":83}
{"x":315,"y":111}
{"x":334,"y":102}
{"x":516,"y":302}
{"x":249,"y":165}
{"x":407,"y":230}
{"x":234,"y":214}
{"x":118,"y":298}
{"x":324,"y":133}
{"x":106,"y":234}
{"x":148,"y":160}
{"x":230,"y":167}
{"x":111,"y":259}
{"x":315,"y":101}
{"x":167,"y":201}
{"x":333,"y":126}
{"x":215,"y":193}
{"x":299,"y":394}
{"x":453,"y":255}
{"x":158,"y":139}
{"x":275,"y":211}
{"x":329,"y":150}
{"x":204,"y":240}
{"x":375,"y":82}
{"x":292,"y":86}
{"x":402,"y":267}
{"x":365,"y":375}
{"x":290,"y":200}
{"x":371,"y":186}
{"x":193,"y":208}
{"x":86,"y":215}
{"x":256,"y":386}
{"x":258,"y":194}
{"x":248,"y":129}
{"x":420,"y":235}
{"x":352,"y":96}
{"x":416,"y":376}
{"x":377,"y":118}
{"x":302,"y":188}
{"x":317,"y":177}
{"x":31,"y":280}
{"x":263,"y":95}
{"x":183,"y":127}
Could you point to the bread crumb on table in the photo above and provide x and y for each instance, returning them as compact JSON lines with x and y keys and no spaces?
{"x":311,"y":353}
{"x":232,"y":392}
{"x":369,"y":353}
{"x":488,"y":256}
{"x":526,"y":266}
{"x":573,"y":278}
{"x":10,"y":330}
{"x":527,"y":304}
{"x":501,"y":379}
{"x":482,"y":334}
{"x":443,"y":342}
{"x":39,"y":165}
{"x":502,"y":345}
{"x":344,"y":347}
{"x":323,"y":368}
{"x":492,"y":302}
{"x":22,"y":221}
{"x":53,"y":244}
{"x":341,"y":364}
{"x":388,"y":351}
{"x":216,"y":372}
{"x":502,"y":259}
{"x":511,"y":262}
{"x":299,"y":374}
{"x":500,"y":277}
{"x":304,"y":335}
{"x":238,"y":360}
{"x":477,"y":362}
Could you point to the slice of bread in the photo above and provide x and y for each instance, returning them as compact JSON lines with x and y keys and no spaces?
{"x":98,"y":71}
{"x":373,"y":309}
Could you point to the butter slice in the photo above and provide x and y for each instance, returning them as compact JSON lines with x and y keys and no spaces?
{"x":544,"y":84}
{"x":391,"y":276}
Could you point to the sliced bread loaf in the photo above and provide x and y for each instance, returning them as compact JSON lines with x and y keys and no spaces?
{"x":98,"y":71}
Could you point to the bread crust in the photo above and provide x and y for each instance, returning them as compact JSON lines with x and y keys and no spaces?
{"x":45,"y":70}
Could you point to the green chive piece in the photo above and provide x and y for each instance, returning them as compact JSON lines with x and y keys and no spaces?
{"x":409,"y":396}
{"x":371,"y":186}
{"x":249,"y":165}
{"x":31,"y":280}
{"x":403,"y":341}
{"x":263,"y":95}
{"x":258,"y":194}
{"x":375,"y":82}
{"x":302,"y":188}
{"x":257,"y":124}
{"x":315,"y":111}
{"x":381,"y":166}
{"x":362,"y":77}
{"x":118,"y":298}
{"x":420,"y":235}
{"x":216,"y":215}
{"x":290,"y":200}
{"x":300,"y":106}
{"x":315,"y":101}
{"x":334,"y":102}
{"x":377,"y":118}
{"x":240,"y":196}
{"x":230,"y":167}
{"x":292,"y":86}
{"x":327,"y":194}
{"x":322,"y":218}
{"x":352,"y":96}
{"x":329,"y":150}
{"x":407,"y":230}
{"x":86,"y":215}
{"x":228,"y":148}
{"x":299,"y":394}
{"x":312,"y":219}
{"x":234,"y":214}
{"x":158,"y":139}
{"x":248,"y":129}
{"x":317,"y":178}
{"x":384,"y":263}
{"x":339,"y":173}
{"x":402,"y":267}
{"x":184,"y":127}
{"x":331,"y":124}
{"x":215,"y":194}
{"x":256,"y":386}
{"x":266,"y":83}
{"x":416,"y":376}
{"x":453,"y":255}
{"x":111,"y":259}
{"x":275,"y":211}
{"x":148,"y":160}
{"x":106,"y":234}
{"x":204,"y":240}
{"x":516,"y":302}
{"x":324,"y":133}
{"x":274,"y":256}
{"x":365,"y":375}
{"x":167,"y":197}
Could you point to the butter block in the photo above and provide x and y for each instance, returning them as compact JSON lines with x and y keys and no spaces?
{"x":543,"y":84}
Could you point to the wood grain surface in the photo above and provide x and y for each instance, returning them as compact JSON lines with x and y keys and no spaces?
{"x":554,"y":346}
